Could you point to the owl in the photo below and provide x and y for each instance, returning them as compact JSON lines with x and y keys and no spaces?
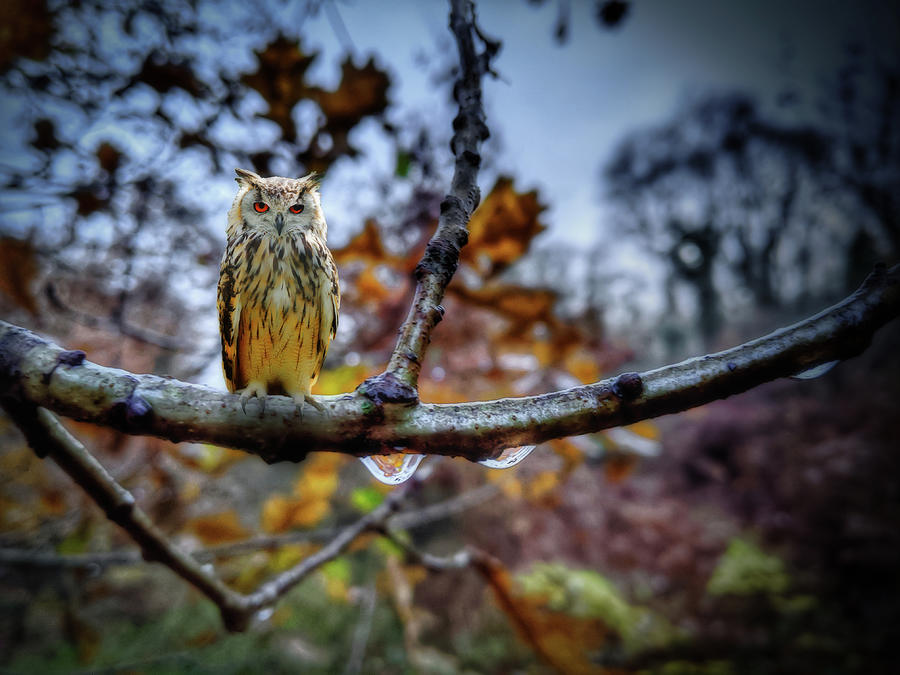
{"x":278,"y":293}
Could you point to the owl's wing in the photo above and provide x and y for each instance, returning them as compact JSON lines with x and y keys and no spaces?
{"x":331,"y":305}
{"x":335,"y":292}
{"x":229,"y":318}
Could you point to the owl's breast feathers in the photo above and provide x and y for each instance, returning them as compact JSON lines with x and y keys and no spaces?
{"x":278,"y":307}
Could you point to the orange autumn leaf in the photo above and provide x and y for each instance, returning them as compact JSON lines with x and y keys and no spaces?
{"x":369,"y":288}
{"x":366,"y":245}
{"x":569,"y":451}
{"x":502,"y":227}
{"x":440,"y":392}
{"x":218,"y":528}
{"x":521,"y":305}
{"x":389,"y":464}
{"x":53,"y":501}
{"x":618,"y":466}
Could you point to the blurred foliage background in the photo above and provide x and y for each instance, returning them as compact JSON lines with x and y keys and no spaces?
{"x":757,"y":534}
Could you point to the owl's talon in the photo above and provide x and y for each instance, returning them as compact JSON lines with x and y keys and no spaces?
{"x":301,"y":400}
{"x":249,"y":392}
{"x":314,"y":403}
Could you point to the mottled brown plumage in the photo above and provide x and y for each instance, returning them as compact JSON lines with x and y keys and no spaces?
{"x":278,"y":294}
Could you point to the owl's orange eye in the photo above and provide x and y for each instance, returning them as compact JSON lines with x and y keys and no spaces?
{"x":296,"y":208}
{"x":261,"y":207}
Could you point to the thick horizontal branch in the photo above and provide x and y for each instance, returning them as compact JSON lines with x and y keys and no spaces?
{"x":37,"y":372}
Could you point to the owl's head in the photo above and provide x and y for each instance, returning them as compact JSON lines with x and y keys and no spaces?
{"x":277,"y":206}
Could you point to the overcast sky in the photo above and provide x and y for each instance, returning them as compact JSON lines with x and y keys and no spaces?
{"x":560,"y":109}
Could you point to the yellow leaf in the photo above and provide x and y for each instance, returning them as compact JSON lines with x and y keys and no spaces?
{"x":583,"y":365}
{"x":282,"y":513}
{"x":342,"y":379}
{"x":570,"y":452}
{"x":318,"y":478}
{"x":542,"y":485}
{"x":288,"y":556}
{"x":211,"y":459}
{"x":645,"y":429}
{"x":218,"y":528}
{"x":337,"y":589}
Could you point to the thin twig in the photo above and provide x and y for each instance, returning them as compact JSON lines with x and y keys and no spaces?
{"x":99,"y":561}
{"x":338,"y":26}
{"x":459,"y":560}
{"x":367,"y":598}
{"x":411,"y":519}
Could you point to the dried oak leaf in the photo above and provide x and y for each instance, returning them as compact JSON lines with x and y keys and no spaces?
{"x":89,"y":198}
{"x":45,"y":135}
{"x":26,"y":27}
{"x":109,"y":157}
{"x":162,"y":74}
{"x":280,"y":80}
{"x":362,"y":92}
{"x":18,"y":267}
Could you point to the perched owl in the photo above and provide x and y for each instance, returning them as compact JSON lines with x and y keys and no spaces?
{"x":278,"y":288}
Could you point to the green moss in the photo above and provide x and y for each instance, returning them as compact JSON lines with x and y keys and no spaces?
{"x":587,"y":594}
{"x":745,"y":569}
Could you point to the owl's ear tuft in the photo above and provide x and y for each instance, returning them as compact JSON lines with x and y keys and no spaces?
{"x":313,"y":181}
{"x":245,"y":177}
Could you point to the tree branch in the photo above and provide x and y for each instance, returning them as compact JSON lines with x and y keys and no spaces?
{"x":399,"y":383}
{"x":36,"y":372}
{"x":47,"y":437}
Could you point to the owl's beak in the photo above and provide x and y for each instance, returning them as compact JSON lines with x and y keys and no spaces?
{"x":279,"y":222}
